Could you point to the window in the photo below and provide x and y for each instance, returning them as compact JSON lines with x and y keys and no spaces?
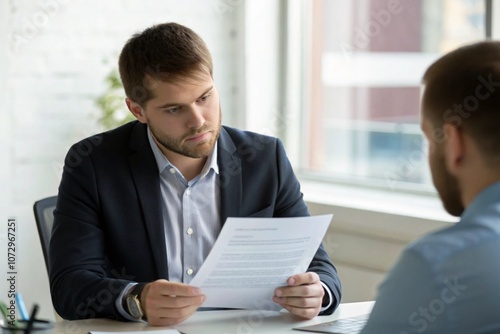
{"x":363,"y":69}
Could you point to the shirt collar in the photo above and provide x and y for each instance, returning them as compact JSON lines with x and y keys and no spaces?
{"x":486,"y":203}
{"x":162,"y":161}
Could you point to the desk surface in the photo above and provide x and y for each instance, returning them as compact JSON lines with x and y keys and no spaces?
{"x":218,"y":322}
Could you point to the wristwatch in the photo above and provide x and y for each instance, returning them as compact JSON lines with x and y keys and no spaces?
{"x":133,"y":302}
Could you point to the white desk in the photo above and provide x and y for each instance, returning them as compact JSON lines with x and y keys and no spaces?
{"x":218,"y":322}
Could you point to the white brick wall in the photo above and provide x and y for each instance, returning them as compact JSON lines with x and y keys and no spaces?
{"x":60,"y":51}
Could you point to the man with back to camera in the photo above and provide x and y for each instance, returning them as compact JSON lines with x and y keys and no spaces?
{"x":140,"y":207}
{"x":448,"y":281}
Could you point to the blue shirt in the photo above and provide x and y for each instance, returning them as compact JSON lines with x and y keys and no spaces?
{"x":448,"y":281}
{"x":191,"y":214}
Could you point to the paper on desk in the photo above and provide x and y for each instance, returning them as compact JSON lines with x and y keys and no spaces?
{"x":254,"y":256}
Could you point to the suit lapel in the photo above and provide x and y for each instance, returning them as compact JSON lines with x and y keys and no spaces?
{"x":229,"y":176}
{"x":146,"y":178}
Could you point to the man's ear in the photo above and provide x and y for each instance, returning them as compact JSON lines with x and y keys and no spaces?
{"x":454,"y":148}
{"x":136,"y":110}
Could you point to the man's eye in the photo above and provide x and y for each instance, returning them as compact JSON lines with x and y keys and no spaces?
{"x":204,"y":98}
{"x":173,"y":110}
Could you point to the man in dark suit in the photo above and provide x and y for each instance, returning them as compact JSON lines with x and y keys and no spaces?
{"x":140,"y":207}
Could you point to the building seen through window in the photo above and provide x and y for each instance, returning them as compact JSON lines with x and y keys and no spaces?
{"x":365,"y":64}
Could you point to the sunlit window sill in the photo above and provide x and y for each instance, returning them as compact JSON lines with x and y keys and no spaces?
{"x":383,"y":201}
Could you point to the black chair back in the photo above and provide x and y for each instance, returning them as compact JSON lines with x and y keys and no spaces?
{"x":44,"y":216}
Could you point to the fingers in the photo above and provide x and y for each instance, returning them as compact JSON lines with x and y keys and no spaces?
{"x":306,"y":278}
{"x":302,"y":285}
{"x":166,"y":288}
{"x":306,"y":313}
{"x":303,"y":296}
{"x":168,"y":303}
{"x":169,"y":317}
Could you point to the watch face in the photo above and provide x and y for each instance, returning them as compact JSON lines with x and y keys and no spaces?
{"x":134,"y":308}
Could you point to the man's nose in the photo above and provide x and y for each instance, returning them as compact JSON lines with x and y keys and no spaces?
{"x":196,"y":118}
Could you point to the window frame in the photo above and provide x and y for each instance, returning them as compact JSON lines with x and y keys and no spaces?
{"x":297,"y":27}
{"x":373,"y":201}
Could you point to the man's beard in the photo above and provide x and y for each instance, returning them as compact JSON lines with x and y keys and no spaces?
{"x":447,"y":186}
{"x":180,"y":146}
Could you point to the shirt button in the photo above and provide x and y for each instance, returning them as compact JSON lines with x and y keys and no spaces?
{"x":189,"y":231}
{"x":172,"y":170}
{"x":188,"y":191}
{"x":190,"y":271}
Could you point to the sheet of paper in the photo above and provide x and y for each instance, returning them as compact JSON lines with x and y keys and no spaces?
{"x":254,"y":256}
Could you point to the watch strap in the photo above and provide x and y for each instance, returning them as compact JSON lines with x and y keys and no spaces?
{"x":135,"y":291}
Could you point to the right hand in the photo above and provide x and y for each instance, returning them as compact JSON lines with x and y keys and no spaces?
{"x":168,"y":303}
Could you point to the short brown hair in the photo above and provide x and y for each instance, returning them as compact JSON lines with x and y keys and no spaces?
{"x":167,"y":52}
{"x":463,"y":88}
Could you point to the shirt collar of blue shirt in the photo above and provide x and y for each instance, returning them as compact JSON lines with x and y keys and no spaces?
{"x":162,"y":161}
{"x":485,"y":204}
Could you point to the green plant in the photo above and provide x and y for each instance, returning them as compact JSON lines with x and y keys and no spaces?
{"x":112,"y":103}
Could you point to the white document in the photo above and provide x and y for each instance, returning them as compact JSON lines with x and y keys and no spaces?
{"x":254,"y":256}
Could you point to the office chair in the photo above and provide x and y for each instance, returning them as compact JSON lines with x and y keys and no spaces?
{"x":44,"y":216}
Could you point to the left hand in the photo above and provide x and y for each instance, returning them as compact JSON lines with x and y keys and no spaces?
{"x":303,"y":296}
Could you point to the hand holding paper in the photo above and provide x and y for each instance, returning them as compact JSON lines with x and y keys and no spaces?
{"x":303,"y":296}
{"x":169,"y":303}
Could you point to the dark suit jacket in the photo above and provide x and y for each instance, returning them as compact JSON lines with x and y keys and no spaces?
{"x":108,"y":229}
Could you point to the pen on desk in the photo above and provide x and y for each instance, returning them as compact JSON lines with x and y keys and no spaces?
{"x":21,"y":306}
{"x":31,"y":320}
